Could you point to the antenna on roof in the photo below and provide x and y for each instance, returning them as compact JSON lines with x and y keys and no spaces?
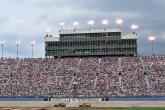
{"x":47,"y":30}
{"x":62,"y":25}
{"x":134,"y":27}
{"x":75,"y":24}
{"x":119,"y":22}
{"x":105,"y":22}
{"x":90,"y":23}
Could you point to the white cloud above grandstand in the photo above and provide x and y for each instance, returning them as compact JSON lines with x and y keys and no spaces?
{"x":26,"y":20}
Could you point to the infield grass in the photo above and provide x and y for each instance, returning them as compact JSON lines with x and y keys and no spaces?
{"x":124,"y":108}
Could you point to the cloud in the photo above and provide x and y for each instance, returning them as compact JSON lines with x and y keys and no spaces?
{"x":26,"y":20}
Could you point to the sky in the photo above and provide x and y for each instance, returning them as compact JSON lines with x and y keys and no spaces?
{"x":26,"y":20}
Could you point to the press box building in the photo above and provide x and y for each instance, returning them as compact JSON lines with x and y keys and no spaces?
{"x":91,"y":42}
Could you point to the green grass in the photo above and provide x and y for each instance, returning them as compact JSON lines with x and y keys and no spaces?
{"x":125,"y":108}
{"x":101,"y":108}
{"x":140,"y":108}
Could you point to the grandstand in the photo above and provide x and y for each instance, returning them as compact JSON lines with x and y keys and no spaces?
{"x":83,"y":77}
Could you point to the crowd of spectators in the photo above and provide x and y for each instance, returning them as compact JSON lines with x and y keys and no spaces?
{"x":83,"y":77}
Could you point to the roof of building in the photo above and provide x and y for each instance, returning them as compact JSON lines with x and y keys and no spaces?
{"x":81,"y":31}
{"x":130,"y":36}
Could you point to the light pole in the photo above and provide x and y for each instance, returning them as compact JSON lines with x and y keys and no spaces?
{"x":75,"y":24}
{"x":105,"y":22}
{"x":119,"y":22}
{"x":32,"y":43}
{"x":2,"y":44}
{"x":48,"y":30}
{"x":152,"y":39}
{"x":18,"y":43}
{"x":62,"y":25}
{"x":134,"y":27}
{"x":90,"y":23}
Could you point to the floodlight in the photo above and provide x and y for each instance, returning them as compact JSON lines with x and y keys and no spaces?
{"x":18,"y":42}
{"x":2,"y":42}
{"x":119,"y":21}
{"x":75,"y":23}
{"x":151,"y":38}
{"x":105,"y":22}
{"x":32,"y":42}
{"x":134,"y":26}
{"x":47,"y":31}
{"x":62,"y":24}
{"x":91,"y":22}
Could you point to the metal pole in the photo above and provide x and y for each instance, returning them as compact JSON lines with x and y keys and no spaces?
{"x":75,"y":27}
{"x":152,"y":48}
{"x":105,"y":26}
{"x":61,"y":27}
{"x":32,"y":50}
{"x":17,"y":51}
{"x":2,"y":51}
{"x":90,"y":26}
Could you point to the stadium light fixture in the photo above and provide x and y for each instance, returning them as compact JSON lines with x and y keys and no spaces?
{"x":119,"y":22}
{"x":47,"y":30}
{"x":62,"y":25}
{"x":105,"y":22}
{"x":91,"y":22}
{"x":18,"y":43}
{"x":32,"y":43}
{"x":2,"y":42}
{"x":134,"y":27}
{"x":152,"y":39}
{"x":75,"y":24}
{"x":2,"y":46}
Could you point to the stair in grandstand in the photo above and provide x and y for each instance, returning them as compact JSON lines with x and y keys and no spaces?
{"x":75,"y":73}
{"x":97,"y":73}
{"x":119,"y":71}
{"x":50,"y":77}
{"x":146,"y":75}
